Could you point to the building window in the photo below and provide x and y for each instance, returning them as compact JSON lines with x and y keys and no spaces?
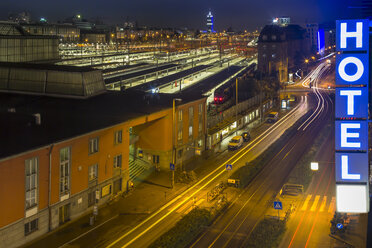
{"x":200,"y":117}
{"x":264,"y":46}
{"x":93,"y":172}
{"x":64,"y":158}
{"x":273,"y":37}
{"x":118,"y":137}
{"x":180,"y":124}
{"x":264,"y":37}
{"x":31,"y":182}
{"x":180,"y":153}
{"x":191,"y":119}
{"x":117,"y":161}
{"x":273,"y":55}
{"x":264,"y":55}
{"x":93,"y":145}
{"x":31,"y":226}
{"x":91,"y":198}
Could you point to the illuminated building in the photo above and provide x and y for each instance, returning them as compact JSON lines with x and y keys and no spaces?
{"x":70,"y":145}
{"x":282,"y":21}
{"x":17,"y":45}
{"x":210,"y":22}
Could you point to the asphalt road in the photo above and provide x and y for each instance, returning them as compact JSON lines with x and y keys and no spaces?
{"x":235,"y":226}
{"x":160,"y":221}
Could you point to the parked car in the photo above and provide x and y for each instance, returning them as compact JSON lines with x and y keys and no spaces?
{"x":272,"y":117}
{"x":235,"y":142}
{"x":246,"y":136}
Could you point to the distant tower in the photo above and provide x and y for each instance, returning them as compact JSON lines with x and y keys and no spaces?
{"x":210,"y":22}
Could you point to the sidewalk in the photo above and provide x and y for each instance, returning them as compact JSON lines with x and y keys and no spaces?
{"x":146,"y":198}
{"x":130,"y":209}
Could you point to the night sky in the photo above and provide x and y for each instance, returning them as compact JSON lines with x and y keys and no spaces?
{"x":240,"y":14}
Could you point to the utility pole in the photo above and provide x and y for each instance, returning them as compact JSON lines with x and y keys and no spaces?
{"x":261,"y":111}
{"x":236,"y":104}
{"x":174,"y":139}
{"x":128,"y":52}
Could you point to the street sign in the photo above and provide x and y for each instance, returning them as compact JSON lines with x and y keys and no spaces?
{"x":339,"y":226}
{"x":278,"y":205}
{"x":171,"y":166}
{"x":228,"y":167}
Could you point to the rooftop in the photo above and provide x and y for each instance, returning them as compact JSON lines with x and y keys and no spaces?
{"x":276,"y":33}
{"x":63,"y":118}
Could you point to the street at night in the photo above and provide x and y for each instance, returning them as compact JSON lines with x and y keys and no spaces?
{"x":185,"y":124}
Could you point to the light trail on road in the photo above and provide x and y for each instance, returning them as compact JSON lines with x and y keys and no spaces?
{"x":213,"y":175}
{"x":320,"y":70}
{"x":234,"y":225}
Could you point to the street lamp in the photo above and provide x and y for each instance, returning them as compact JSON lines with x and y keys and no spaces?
{"x":306,"y":62}
{"x":174,"y":136}
{"x":314,"y":166}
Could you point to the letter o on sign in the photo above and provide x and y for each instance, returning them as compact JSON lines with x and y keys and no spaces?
{"x":351,"y":60}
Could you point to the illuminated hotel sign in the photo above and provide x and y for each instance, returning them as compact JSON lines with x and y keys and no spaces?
{"x":351,"y":125}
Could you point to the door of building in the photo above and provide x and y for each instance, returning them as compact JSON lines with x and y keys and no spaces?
{"x":64,"y":214}
{"x":117,"y":186}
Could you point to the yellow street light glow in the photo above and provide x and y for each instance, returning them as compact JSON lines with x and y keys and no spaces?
{"x":201,"y":187}
{"x":314,"y":166}
{"x":306,"y":61}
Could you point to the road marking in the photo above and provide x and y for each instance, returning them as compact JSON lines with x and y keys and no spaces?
{"x":304,"y":207}
{"x":313,"y":207}
{"x":199,"y":202}
{"x":83,"y":234}
{"x":303,"y":214}
{"x":332,"y":205}
{"x":324,"y":202}
{"x":317,"y":213}
{"x":180,"y":210}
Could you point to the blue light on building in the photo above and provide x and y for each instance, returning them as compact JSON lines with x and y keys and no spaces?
{"x":210,"y":22}
{"x":321,"y":42}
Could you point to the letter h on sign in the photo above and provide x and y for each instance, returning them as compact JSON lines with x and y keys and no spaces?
{"x":352,"y":35}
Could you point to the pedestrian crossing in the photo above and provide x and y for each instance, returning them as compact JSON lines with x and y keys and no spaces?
{"x":319,"y":203}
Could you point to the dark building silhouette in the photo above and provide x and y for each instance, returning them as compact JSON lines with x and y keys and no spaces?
{"x":281,"y":50}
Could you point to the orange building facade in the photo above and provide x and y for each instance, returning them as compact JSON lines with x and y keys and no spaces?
{"x":44,"y":188}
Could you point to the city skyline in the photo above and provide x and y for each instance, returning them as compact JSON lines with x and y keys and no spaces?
{"x":191,"y":14}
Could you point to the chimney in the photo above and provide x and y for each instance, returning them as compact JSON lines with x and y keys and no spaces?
{"x":37,"y":119}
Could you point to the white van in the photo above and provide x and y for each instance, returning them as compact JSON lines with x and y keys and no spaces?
{"x":272,"y":117}
{"x":235,"y":142}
